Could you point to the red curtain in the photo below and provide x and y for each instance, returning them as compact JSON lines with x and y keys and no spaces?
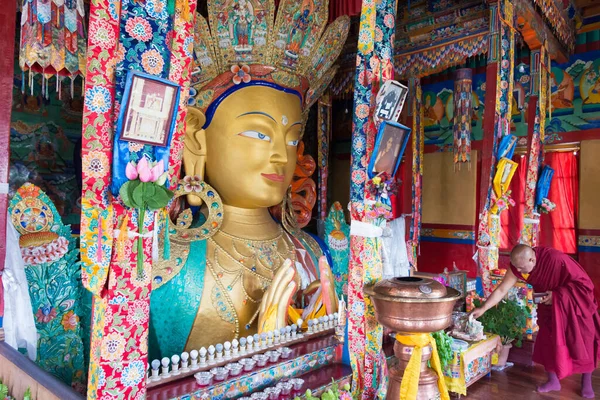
{"x":344,"y":7}
{"x":558,"y":229}
{"x":512,"y":220}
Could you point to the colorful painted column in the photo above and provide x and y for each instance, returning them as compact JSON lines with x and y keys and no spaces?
{"x":154,"y":37}
{"x":487,"y":245}
{"x":463,"y":109}
{"x":487,"y":154}
{"x":374,"y":66}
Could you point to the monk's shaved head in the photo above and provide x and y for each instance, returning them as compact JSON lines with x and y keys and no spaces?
{"x":520,"y":251}
{"x":523,"y":258}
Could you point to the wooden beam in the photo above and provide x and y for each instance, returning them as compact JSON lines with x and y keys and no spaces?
{"x":581,"y":4}
{"x":8,"y":21}
{"x":534,"y":31}
{"x":591,"y":11}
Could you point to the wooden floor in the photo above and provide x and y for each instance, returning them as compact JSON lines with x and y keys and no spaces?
{"x":520,"y":381}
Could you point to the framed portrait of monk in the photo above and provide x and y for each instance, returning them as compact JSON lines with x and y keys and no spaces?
{"x":149,"y":109}
{"x":390,"y":100}
{"x":392,"y":138}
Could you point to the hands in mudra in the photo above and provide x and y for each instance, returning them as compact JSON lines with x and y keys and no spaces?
{"x":275,"y":306}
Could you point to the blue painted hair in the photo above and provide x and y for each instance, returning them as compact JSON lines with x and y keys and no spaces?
{"x":212,"y":108}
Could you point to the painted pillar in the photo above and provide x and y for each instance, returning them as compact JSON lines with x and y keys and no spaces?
{"x":488,"y":111}
{"x":109,"y":230}
{"x":503,"y":96}
{"x":374,"y":64}
{"x":8,"y":18}
{"x":463,"y":110}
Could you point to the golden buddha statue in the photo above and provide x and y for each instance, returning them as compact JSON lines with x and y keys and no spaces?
{"x":247,"y":118}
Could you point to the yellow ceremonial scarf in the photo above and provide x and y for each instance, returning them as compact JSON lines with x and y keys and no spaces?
{"x":410,"y":380}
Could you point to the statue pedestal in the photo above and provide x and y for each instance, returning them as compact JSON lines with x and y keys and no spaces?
{"x":316,"y":360}
{"x":428,"y":386}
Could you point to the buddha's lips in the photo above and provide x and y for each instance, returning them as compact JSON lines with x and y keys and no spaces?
{"x":274,"y":177}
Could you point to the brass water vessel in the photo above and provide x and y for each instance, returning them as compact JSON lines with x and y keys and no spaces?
{"x":413,"y":305}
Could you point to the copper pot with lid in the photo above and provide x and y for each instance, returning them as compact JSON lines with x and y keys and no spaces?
{"x":413,"y":304}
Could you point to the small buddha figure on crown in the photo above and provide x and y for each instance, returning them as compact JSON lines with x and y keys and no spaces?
{"x":242,"y":275}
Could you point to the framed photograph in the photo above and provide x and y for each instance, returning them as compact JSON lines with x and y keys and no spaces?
{"x":390,"y":100}
{"x":149,"y":109}
{"x":389,"y":148}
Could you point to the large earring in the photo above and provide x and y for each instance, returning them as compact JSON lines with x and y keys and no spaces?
{"x":194,"y":186}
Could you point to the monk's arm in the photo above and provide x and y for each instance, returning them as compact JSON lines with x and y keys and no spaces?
{"x":497,"y":295}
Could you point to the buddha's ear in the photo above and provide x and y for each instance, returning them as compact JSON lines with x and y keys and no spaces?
{"x":194,"y":149}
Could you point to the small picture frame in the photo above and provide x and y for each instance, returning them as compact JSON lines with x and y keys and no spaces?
{"x":392,"y":138}
{"x":390,"y":100}
{"x":149,"y":109}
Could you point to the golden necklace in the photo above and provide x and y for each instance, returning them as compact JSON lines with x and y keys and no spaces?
{"x":260,"y":258}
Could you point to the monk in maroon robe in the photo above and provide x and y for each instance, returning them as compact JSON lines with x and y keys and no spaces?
{"x":568,"y":341}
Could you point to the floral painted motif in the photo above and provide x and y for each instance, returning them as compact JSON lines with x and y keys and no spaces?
{"x":152,"y":62}
{"x":94,"y":164}
{"x":45,"y":314}
{"x":138,"y":312}
{"x":98,"y":99}
{"x":138,"y":28}
{"x":133,"y":374}
{"x":241,"y":73}
{"x":101,"y":35}
{"x":157,"y":9}
{"x":113,"y":346}
{"x":70,"y":321}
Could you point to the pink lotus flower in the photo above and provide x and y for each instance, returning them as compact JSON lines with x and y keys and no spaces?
{"x":131,"y":171}
{"x":157,"y":171}
{"x":144,"y":171}
{"x":162,"y":179}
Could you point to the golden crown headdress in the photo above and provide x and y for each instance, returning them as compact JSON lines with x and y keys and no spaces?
{"x":245,"y":45}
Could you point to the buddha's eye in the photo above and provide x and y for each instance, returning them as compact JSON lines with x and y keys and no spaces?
{"x":293,"y":143}
{"x":256,"y":135}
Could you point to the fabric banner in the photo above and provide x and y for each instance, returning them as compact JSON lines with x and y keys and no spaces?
{"x":124,"y":35}
{"x":463,"y":110}
{"x":323,"y":136}
{"x":529,"y":234}
{"x":418,"y":146}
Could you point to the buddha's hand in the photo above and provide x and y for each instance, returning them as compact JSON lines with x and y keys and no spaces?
{"x":276,"y":300}
{"x":329,"y":301}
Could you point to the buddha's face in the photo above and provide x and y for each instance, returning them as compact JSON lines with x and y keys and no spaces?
{"x":251,"y":146}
